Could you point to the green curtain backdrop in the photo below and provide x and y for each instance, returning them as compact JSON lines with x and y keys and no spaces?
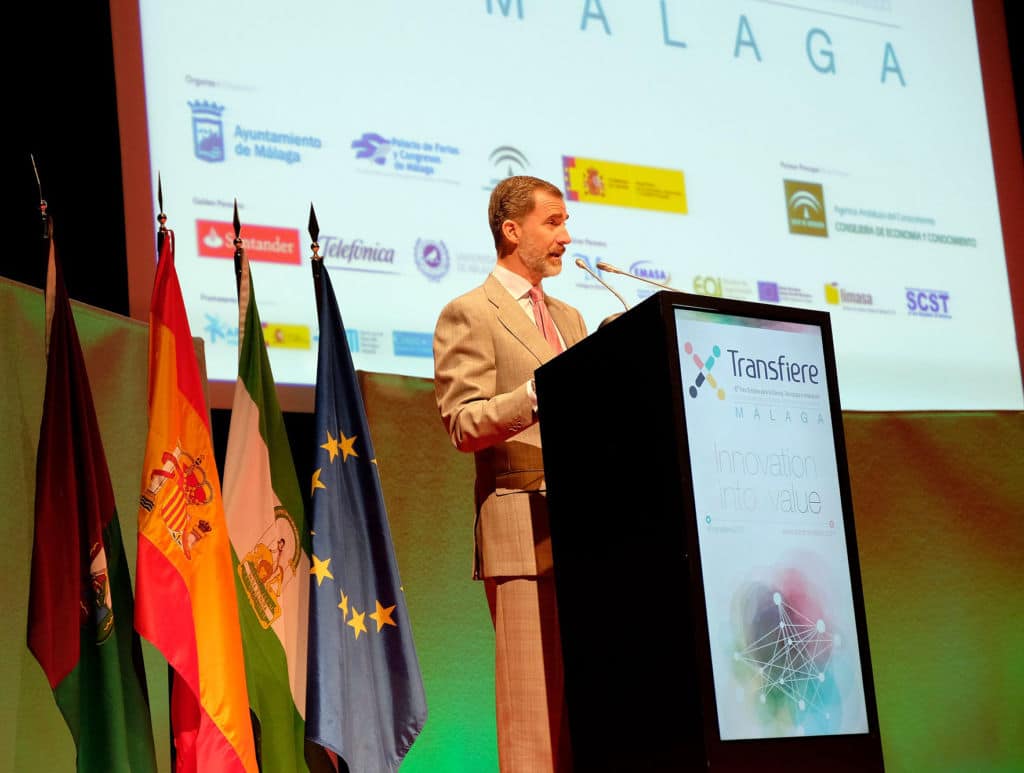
{"x":937,"y":503}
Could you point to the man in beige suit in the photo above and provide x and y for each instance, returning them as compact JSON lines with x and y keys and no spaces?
{"x":487,"y":345}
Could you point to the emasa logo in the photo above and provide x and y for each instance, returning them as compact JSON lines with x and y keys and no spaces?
{"x":704,"y":371}
{"x":207,"y":131}
{"x":805,"y":207}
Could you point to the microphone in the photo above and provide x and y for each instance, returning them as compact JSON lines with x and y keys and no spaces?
{"x":583,"y":264}
{"x":612,"y":270}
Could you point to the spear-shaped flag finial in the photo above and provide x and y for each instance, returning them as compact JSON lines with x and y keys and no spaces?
{"x":238,"y":246}
{"x":314,"y":232}
{"x":161,"y":218}
{"x":317,"y":263}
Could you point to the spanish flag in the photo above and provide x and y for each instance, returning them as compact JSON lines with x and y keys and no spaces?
{"x":185,"y":601}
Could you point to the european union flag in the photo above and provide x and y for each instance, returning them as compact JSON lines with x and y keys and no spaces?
{"x":365,"y":696}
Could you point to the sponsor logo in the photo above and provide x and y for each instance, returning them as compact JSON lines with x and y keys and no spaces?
{"x":432,"y":258}
{"x":703,"y":375}
{"x":768,"y":291}
{"x":922,"y":302}
{"x":585,"y":279}
{"x":779,"y":368}
{"x":708,"y":285}
{"x":624,"y":185}
{"x":409,"y":343}
{"x":208,"y":141}
{"x":773,"y":292}
{"x":721,"y":287}
{"x":271,"y":244}
{"x":216,"y":330}
{"x":647,"y":269}
{"x":373,"y":147}
{"x":207,"y":131}
{"x":356,"y":255}
{"x":840,"y":296}
{"x":508,"y":161}
{"x":280,"y":335}
{"x":805,"y":208}
{"x":412,"y":157}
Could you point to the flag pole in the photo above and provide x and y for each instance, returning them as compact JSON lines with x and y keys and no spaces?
{"x":317,"y":261}
{"x":42,"y":201}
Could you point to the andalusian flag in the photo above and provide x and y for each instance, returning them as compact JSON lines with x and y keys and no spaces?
{"x":366,"y":700}
{"x":80,"y":603}
{"x":267,"y":525}
{"x":185,"y":602}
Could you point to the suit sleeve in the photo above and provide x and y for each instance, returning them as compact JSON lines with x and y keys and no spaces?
{"x":465,"y":382}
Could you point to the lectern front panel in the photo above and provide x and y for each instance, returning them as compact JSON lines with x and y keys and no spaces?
{"x":773,"y":551}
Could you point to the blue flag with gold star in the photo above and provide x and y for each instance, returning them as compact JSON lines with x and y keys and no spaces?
{"x":364,"y":699}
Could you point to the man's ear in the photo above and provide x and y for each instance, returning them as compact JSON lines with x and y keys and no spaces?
{"x":510,"y":230}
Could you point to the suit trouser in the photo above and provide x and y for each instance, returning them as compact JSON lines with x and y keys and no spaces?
{"x":533,"y":734}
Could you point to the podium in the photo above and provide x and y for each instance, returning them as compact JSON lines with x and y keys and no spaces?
{"x":704,"y":548}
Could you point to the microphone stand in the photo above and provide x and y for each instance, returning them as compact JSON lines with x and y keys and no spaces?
{"x":583,"y":264}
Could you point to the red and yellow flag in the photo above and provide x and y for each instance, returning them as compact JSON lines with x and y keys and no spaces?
{"x":185,"y":601}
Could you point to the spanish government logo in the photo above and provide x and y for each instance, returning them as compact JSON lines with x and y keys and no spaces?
{"x":207,"y":131}
{"x":432,"y":258}
{"x":805,"y":208}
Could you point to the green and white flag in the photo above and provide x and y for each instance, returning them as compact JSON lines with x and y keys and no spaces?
{"x":270,"y":545}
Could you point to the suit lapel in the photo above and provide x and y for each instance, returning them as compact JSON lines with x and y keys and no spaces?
{"x":565,"y":321}
{"x":511,"y":316}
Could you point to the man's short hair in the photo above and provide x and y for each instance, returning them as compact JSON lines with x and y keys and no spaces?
{"x":512,"y":199}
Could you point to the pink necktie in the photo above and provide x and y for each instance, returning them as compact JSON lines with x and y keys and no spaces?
{"x":543,"y":319}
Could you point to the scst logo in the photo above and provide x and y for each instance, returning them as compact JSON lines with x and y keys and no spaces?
{"x":708,"y":285}
{"x":927,"y":303}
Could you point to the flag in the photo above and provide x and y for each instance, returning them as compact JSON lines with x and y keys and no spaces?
{"x":365,"y":696}
{"x":270,"y":541}
{"x":80,"y":626}
{"x":185,"y":602}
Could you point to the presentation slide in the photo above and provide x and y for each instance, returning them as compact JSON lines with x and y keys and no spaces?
{"x":824,"y":154}
{"x":778,"y":594}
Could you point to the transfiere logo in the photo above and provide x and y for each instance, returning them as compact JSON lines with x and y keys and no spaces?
{"x":805,"y":207}
{"x":704,"y":371}
{"x":207,"y":131}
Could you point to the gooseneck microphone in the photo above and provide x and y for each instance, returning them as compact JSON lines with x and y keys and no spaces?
{"x":583,"y":264}
{"x":612,"y":270}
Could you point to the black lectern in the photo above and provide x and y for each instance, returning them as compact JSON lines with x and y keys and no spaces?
{"x":705,"y":554}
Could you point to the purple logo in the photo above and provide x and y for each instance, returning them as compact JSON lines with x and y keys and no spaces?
{"x":432,"y":258}
{"x":768,"y":291}
{"x":372,"y":146}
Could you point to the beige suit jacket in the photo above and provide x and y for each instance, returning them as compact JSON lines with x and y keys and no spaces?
{"x":485,"y":351}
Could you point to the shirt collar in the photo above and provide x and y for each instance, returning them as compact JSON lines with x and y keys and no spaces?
{"x":517,"y":286}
